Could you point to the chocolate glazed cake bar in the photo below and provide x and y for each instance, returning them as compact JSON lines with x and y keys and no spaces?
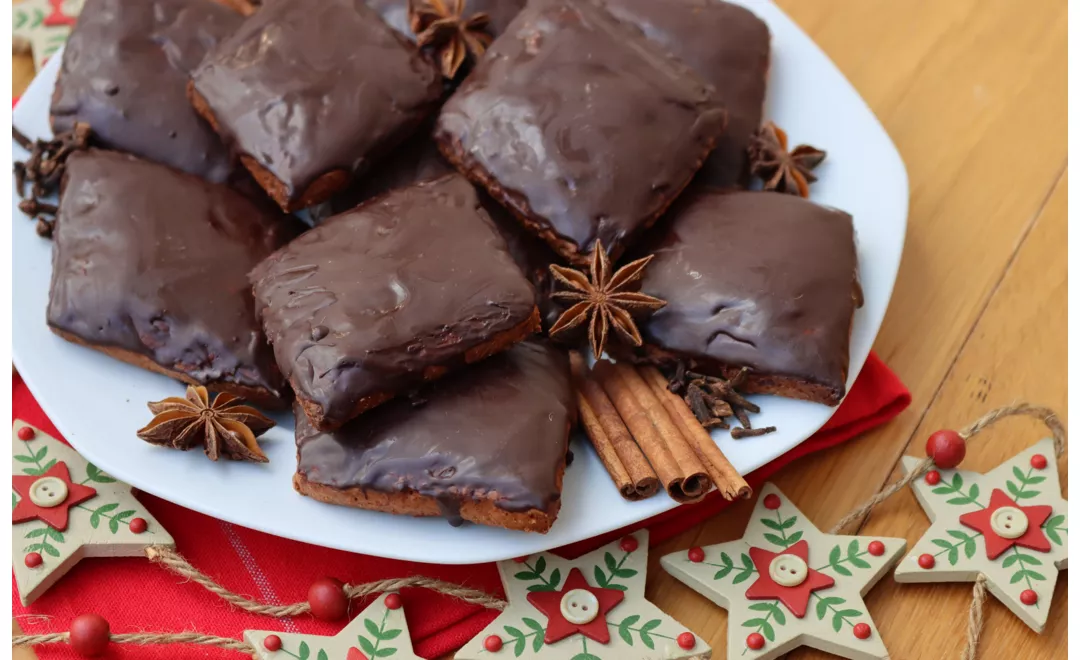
{"x":377,"y":300}
{"x":125,"y":71}
{"x":310,"y":93}
{"x":580,"y":126}
{"x":150,"y":266}
{"x":488,"y":444}
{"x":762,"y":280}
{"x":728,"y":46}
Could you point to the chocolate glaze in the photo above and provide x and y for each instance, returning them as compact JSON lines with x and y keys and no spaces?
{"x":494,"y":429}
{"x":500,"y":13}
{"x":580,"y":125}
{"x":728,"y":46}
{"x":405,"y":282}
{"x":755,"y":279}
{"x":305,"y":88}
{"x":125,"y":72}
{"x":150,"y":260}
{"x":418,"y":159}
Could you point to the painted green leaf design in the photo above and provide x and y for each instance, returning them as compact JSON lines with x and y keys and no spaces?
{"x":1018,"y":493}
{"x":772,"y":524}
{"x":385,"y":652}
{"x":38,"y":471}
{"x":624,"y":628}
{"x":556,"y":577}
{"x":609,"y":561}
{"x":54,"y":534}
{"x":537,"y":633}
{"x":322,"y":655}
{"x":726,"y":566}
{"x":541,"y":565}
{"x":825,"y":603}
{"x":34,"y":533}
{"x":304,"y":652}
{"x":841,"y":617}
{"x":366,"y":646}
{"x":49,"y":549}
{"x":41,"y":453}
{"x":777,"y":614}
{"x":524,"y":575}
{"x":747,"y":569}
{"x":391,"y":634}
{"x":600,"y":577}
{"x":763,"y":625}
{"x":94,"y":473}
{"x":1053,"y":528}
{"x":776,"y":540}
{"x":585,"y":656}
{"x":24,"y":459}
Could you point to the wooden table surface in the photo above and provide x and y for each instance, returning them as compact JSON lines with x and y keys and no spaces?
{"x":973,"y":93}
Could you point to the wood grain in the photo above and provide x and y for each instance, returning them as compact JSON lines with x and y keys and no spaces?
{"x":973,"y":93}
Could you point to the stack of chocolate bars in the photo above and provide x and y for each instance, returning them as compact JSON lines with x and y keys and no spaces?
{"x":445,"y":166}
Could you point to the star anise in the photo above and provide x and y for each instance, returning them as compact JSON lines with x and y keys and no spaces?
{"x":782,"y":171}
{"x":441,"y":26}
{"x":604,"y":299}
{"x":226,"y":428}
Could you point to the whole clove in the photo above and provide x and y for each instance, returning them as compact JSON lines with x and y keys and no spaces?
{"x":44,"y":170}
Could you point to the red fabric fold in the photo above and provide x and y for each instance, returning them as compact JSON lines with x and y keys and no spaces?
{"x":134,"y":595}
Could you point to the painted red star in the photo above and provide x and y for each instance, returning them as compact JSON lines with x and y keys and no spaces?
{"x":1034,"y":538}
{"x":548,"y":602}
{"x":55,"y":516}
{"x":795,"y":598}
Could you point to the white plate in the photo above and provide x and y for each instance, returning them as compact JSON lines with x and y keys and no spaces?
{"x":98,"y":403}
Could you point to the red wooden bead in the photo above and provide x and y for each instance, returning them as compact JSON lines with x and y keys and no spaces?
{"x":33,"y":559}
{"x":89,"y":635}
{"x":754,"y":641}
{"x":137,"y":525}
{"x":933,"y":477}
{"x":26,"y":433}
{"x":686,"y":641}
{"x":876,"y":548}
{"x":862,"y":630}
{"x":772,"y":501}
{"x":392,"y":602}
{"x":272,"y":643}
{"x":1038,"y":461}
{"x":1029,"y":597}
{"x":628,"y":544}
{"x":493,"y":643}
{"x":696,"y":555}
{"x":521,"y":560}
{"x":327,"y":599}
{"x":927,"y":561}
{"x":947,"y":449}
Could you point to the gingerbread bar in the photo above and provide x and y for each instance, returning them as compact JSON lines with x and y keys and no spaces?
{"x":487,"y":444}
{"x":125,"y":71}
{"x":728,"y":46}
{"x":580,"y":126}
{"x":759,"y":280}
{"x":377,"y":300}
{"x":417,"y":159}
{"x":311,"y":93}
{"x":150,"y":266}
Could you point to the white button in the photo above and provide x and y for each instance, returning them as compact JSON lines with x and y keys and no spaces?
{"x":1008,"y":522}
{"x":579,"y":606}
{"x":787,"y":570}
{"x":48,"y":492}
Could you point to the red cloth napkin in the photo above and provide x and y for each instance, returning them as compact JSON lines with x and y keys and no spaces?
{"x":135,"y":595}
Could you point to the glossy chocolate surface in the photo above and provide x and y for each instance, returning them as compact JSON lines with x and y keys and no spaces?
{"x":728,"y":46}
{"x":500,"y":13}
{"x":125,"y":72}
{"x":494,"y":429}
{"x":365,"y":302}
{"x":579,"y":124}
{"x":305,"y":88}
{"x":417,"y":159}
{"x":756,"y":279}
{"x":150,"y":260}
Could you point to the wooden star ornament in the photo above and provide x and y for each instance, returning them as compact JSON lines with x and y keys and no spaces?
{"x":1010,"y":524}
{"x":379,"y":631}
{"x":64,"y":508}
{"x":42,"y":26}
{"x":786,"y":584}
{"x":590,"y":608}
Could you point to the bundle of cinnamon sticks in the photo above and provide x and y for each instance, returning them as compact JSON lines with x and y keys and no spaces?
{"x":647,"y":437}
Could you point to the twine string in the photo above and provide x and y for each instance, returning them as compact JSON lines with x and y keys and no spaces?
{"x":176,"y":563}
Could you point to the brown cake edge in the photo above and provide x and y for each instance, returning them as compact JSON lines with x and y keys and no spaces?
{"x":409,"y":502}
{"x":790,"y":387}
{"x":497,"y":344}
{"x":320,"y":190}
{"x":451,"y":149}
{"x":258,"y":396}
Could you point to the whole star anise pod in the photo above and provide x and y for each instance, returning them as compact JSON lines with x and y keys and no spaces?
{"x":782,"y":171}
{"x":441,"y":25}
{"x":605,"y":300}
{"x":227,"y":428}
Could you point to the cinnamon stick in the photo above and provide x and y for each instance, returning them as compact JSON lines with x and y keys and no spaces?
{"x":723,"y":474}
{"x":681,"y":473}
